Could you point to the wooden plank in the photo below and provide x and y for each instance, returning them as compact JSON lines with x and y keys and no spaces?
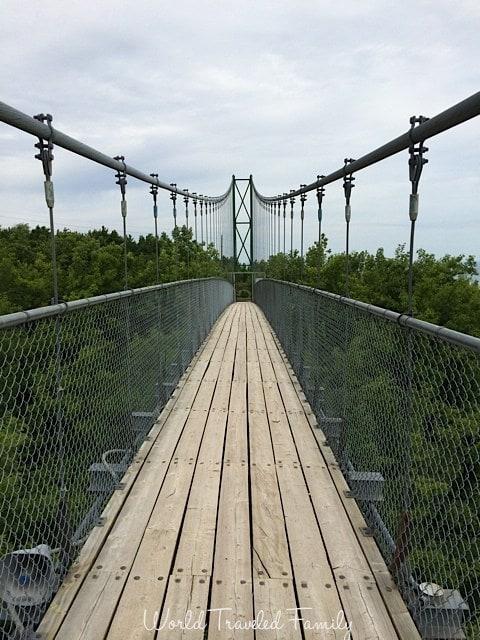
{"x":232,"y":574}
{"x":261,"y":451}
{"x":180,"y":399}
{"x":184,"y":615}
{"x":252,"y":352}
{"x":283,"y":443}
{"x":274,"y":606}
{"x":240,"y":372}
{"x":236,"y":442}
{"x":97,"y":585}
{"x":271,"y":557}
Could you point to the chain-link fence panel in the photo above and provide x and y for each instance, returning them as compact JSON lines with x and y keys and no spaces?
{"x":399,"y":403}
{"x":81,"y":384}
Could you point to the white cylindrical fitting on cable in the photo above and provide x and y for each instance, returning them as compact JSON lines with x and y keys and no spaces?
{"x":155,"y":211}
{"x":348,"y":212}
{"x":413,"y":206}
{"x":49,"y":195}
{"x":124,"y":208}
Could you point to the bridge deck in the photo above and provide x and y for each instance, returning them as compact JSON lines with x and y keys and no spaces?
{"x":234,"y":503}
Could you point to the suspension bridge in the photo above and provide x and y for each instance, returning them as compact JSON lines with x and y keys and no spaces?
{"x":200,"y":467}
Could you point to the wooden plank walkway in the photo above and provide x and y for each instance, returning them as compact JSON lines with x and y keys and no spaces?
{"x":232,"y":516}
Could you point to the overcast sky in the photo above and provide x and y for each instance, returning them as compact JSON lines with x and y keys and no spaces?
{"x":284,"y":90}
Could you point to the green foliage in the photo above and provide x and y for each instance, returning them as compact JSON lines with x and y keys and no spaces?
{"x":92,"y":263}
{"x":445,"y":289}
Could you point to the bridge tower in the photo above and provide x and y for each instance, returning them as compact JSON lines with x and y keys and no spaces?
{"x":242,"y":210}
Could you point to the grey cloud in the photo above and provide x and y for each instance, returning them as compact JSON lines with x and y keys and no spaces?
{"x":284,"y":90}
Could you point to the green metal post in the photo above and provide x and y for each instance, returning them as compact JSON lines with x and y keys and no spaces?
{"x":234,"y":224}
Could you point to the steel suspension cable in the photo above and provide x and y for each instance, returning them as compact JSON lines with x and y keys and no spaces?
{"x":292,"y":203}
{"x":45,"y":155}
{"x":185,"y":199}
{"x":416,"y":163}
{"x":279,"y":225}
{"x":320,"y":195}
{"x":348,"y":185}
{"x":303,"y":198}
{"x":195,"y":201}
{"x":121,"y":176}
{"x":173,"y":198}
{"x":154,"y":192}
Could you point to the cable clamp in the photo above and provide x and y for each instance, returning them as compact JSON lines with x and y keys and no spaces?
{"x":121,"y":176}
{"x":49,"y":193}
{"x":45,"y":155}
{"x":348,"y":180}
{"x":320,"y":194}
{"x":416,"y":163}
{"x":45,"y":146}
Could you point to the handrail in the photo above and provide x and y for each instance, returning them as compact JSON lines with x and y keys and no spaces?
{"x":448,"y":335}
{"x":21,"y":317}
{"x":458,"y":113}
{"x":24,"y":122}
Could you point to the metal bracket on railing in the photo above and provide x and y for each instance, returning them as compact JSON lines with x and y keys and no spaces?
{"x":303,"y":198}
{"x":284,"y":202}
{"x":154,"y":192}
{"x":348,"y":185}
{"x":415,"y":164}
{"x":185,"y":199}
{"x":320,"y":194}
{"x":201,"y":219}
{"x":121,"y":176}
{"x":292,"y":203}
{"x":45,"y":155}
{"x":195,"y":201}
{"x":173,"y":198}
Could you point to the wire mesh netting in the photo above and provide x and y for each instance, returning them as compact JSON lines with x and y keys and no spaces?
{"x":399,"y":405}
{"x":80,"y":388}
